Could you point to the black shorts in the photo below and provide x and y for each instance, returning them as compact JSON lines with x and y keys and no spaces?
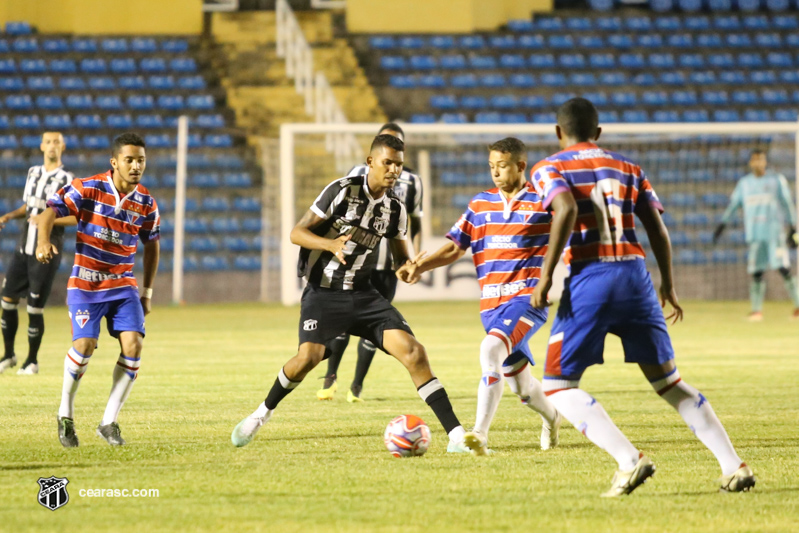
{"x":327,"y":313}
{"x":385,"y":281}
{"x":28,"y":278}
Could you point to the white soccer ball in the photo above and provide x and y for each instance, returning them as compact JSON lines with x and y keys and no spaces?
{"x":407,"y":436}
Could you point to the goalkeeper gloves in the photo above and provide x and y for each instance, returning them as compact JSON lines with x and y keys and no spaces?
{"x":793,"y":238}
{"x":718,"y":232}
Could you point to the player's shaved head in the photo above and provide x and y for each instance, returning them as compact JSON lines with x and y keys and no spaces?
{"x":578,"y":119}
{"x":387,"y":141}
{"x":391,"y":128}
{"x":510,"y":145}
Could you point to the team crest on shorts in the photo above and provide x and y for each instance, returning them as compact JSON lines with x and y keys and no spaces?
{"x":81,"y":317}
{"x":309,"y":325}
{"x":53,"y":492}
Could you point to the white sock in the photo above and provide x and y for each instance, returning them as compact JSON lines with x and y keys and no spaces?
{"x":529,"y":389}
{"x":456,"y":435}
{"x":261,"y":412}
{"x":700,"y":417}
{"x":492,"y":352}
{"x":74,"y":368}
{"x":125,"y":372}
{"x":590,"y":418}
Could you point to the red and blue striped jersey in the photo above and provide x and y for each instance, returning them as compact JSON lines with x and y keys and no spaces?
{"x":109,"y":227}
{"x":508,"y":239}
{"x":609,"y":190}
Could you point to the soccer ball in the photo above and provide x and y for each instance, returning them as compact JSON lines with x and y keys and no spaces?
{"x":407,"y":436}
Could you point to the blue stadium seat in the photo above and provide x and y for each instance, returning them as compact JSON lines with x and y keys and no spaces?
{"x":750,"y":60}
{"x":152,"y":65}
{"x":402,"y":82}
{"x":382,"y":42}
{"x":49,"y":102}
{"x":620,"y":41}
{"x":512,"y":61}
{"x":162,"y":140}
{"x":88,"y":122}
{"x":766,"y":77}
{"x":681,"y":199}
{"x":119,"y":121}
{"x":484,"y":117}
{"x":93,"y":66}
{"x":109,"y":102}
{"x":131,"y":83}
{"x":423,"y":118}
{"x":149,"y":121}
{"x":71,"y":83}
{"x":768,"y":40}
{"x":738,"y":40}
{"x":175,"y":46}
{"x":623,"y":98}
{"x":654,"y":98}
{"x":745,"y":97}
{"x":775,"y":96}
{"x":520,"y":25}
{"x":143,"y":45}
{"x":632,"y":61}
{"x":612,"y":24}
{"x":19,"y":102}
{"x":236,"y":244}
{"x":215,"y":204}
{"x":669,"y":115}
{"x":183,"y":65}
{"x":452,"y":62}
{"x":473,"y":102}
{"x":545,"y":23}
{"x":442,"y":42}
{"x":725,"y":256}
{"x":553,"y":79}
{"x":668,"y":24}
{"x":579,"y":23}
{"x":645,"y":79}
{"x":715,"y":97}
{"x":246,"y":204}
{"x":786,"y":115}
{"x":63,"y":66}
{"x":638,"y":23}
{"x":423,"y":62}
{"x":792,"y":40}
{"x":200,"y":102}
{"x":598,"y":98}
{"x":205,"y":180}
{"x":411,"y":42}
{"x":219,"y":141}
{"x":513,"y":118}
{"x":140,"y":102}
{"x":483,"y":62}
{"x":170,"y":102}
{"x":210,"y":121}
{"x":27,"y":122}
{"x":637,"y":115}
{"x":531,"y":42}
{"x":602,"y":61}
{"x":41,"y":83}
{"x":522,"y":81}
{"x":114,"y":45}
{"x":756,"y":22}
{"x":613,"y":78}
{"x":502,"y":42}
{"x":561,"y":41}
{"x":237,"y":179}
{"x":590,"y":42}
{"x":560,"y":98}
{"x":583,"y":79}
{"x":443,"y":101}
{"x":96,"y":142}
{"x":661,"y":61}
{"x":779,"y":59}
{"x":247,"y":263}
{"x":432,"y":81}
{"x":709,"y":40}
{"x":541,"y":61}
{"x":757,"y":115}
{"x":8,"y":142}
{"x":84,"y":45}
{"x":161,"y":83}
{"x":32,"y":66}
{"x":11,"y":84}
{"x":123,"y":66}
{"x":18,"y":28}
{"x":785,"y":22}
{"x":203,"y":244}
{"x":684,"y":98}
{"x":726,"y":115}
{"x":653,"y":40}
{"x":57,"y":122}
{"x":680,"y":40}
{"x":672,"y":78}
{"x":192,"y":83}
{"x":691,"y":60}
{"x":532,"y":101}
{"x":472,"y":42}
{"x":505,"y":101}
{"x":392,"y":62}
{"x":732,"y":77}
{"x":721,"y":60}
{"x":726,"y":22}
{"x":25,"y":45}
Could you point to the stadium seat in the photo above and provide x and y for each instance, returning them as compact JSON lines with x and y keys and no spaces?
{"x":93,"y":66}
{"x":715,"y":97}
{"x":170,"y":102}
{"x":602,"y":61}
{"x":423,"y":62}
{"x":84,"y":45}
{"x":750,"y":60}
{"x":531,"y":42}
{"x":215,"y":204}
{"x":541,"y":61}
{"x":709,"y":40}
{"x":162,"y":140}
{"x":533,"y":101}
{"x":443,"y":101}
{"x":611,"y":24}
{"x":786,"y":115}
{"x":620,"y":41}
{"x":108,"y":102}
{"x":203,"y":244}
{"x":650,"y":41}
{"x":251,"y":224}
{"x":152,"y":65}
{"x":55,"y":122}
{"x":210,"y":121}
{"x":559,"y":99}
{"x":63,"y":66}
{"x":738,"y":40}
{"x":393,"y":62}
{"x":765,"y":77}
{"x":432,"y":81}
{"x":140,"y":102}
{"x":668,"y":24}
{"x":551,"y":79}
{"x":572,"y":61}
{"x":403,"y":82}
{"x":143,"y":45}
{"x":423,"y":118}
{"x":684,"y":98}
{"x":149,"y":121}
{"x":131,"y":83}
{"x":502,"y":42}
{"x":632,"y":61}
{"x":8,"y":142}
{"x":114,"y":45}
{"x":579,"y":23}
{"x":504,"y":102}
{"x":237,"y":180}
{"x":161,"y":83}
{"x":608,"y":116}
{"x":442,"y":42}
{"x":745,"y":97}
{"x":654,"y":98}
{"x":520,"y":25}
{"x":512,"y":61}
{"x":32,"y":66}
{"x":40,"y":83}
{"x":11,"y":84}
{"x":721,"y":60}
{"x":96,"y":142}
{"x":561,"y":41}
{"x":732,"y":77}
{"x":522,"y":81}
{"x":49,"y":102}
{"x":669,"y":115}
{"x":775,"y":96}
{"x":247,"y":263}
{"x":25,"y":45}
{"x":768,"y":40}
{"x":779,"y":59}
{"x":473,"y":102}
{"x":785,"y":22}
{"x":27,"y":122}
{"x":19,"y":102}
{"x":18,"y":28}
{"x":123,"y":66}
{"x":246,"y":204}
{"x":613,"y":78}
{"x":453,"y":62}
{"x":88,"y":122}
{"x":183,"y":65}
{"x":200,"y":102}
{"x":757,"y":115}
{"x":690,"y":257}
{"x":726,"y":115}
{"x":120,"y":122}
{"x":472,"y":42}
{"x":589,"y":42}
{"x":175,"y":46}
{"x":483,"y":62}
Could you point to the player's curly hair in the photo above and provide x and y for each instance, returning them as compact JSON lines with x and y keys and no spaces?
{"x":388,"y":141}
{"x":578,"y":119}
{"x":126,"y":139}
{"x":510,"y":145}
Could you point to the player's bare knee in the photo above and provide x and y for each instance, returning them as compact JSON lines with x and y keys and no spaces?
{"x":309,"y":355}
{"x":416,"y":355}
{"x":85,"y":346}
{"x":131,"y":346}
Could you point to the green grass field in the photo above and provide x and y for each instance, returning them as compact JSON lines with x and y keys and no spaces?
{"x":321,"y":466}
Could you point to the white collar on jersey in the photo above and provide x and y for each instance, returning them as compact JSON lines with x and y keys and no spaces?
{"x":369,"y":195}
{"x":53,"y":172}
{"x":118,"y":206}
{"x":509,"y":203}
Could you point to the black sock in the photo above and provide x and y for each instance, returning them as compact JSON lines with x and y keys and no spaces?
{"x":10,"y":322}
{"x":282,"y":387}
{"x":35,"y":334}
{"x":336,"y":347}
{"x":436,"y":397}
{"x":366,"y":352}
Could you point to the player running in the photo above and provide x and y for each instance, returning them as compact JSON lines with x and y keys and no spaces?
{"x":114,"y":212}
{"x":766,"y":200}
{"x":507,"y":231}
{"x":408,"y":189}
{"x":594,"y":195}
{"x":339,"y":237}
{"x":26,"y":277}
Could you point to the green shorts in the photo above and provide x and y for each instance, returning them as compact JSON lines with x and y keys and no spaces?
{"x":767,"y":255}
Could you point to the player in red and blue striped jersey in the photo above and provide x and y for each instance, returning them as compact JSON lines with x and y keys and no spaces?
{"x":594,"y":195}
{"x":114,"y":212}
{"x":507,"y":230}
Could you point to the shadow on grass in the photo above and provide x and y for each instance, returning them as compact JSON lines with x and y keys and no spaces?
{"x":40,"y":466}
{"x":711,"y":492}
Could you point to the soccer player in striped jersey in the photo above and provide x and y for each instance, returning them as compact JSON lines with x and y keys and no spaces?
{"x":114,"y":211}
{"x":594,"y":195}
{"x":768,"y":209}
{"x":338,"y":238}
{"x":507,"y":231}
{"x":26,"y":277}
{"x":408,"y":189}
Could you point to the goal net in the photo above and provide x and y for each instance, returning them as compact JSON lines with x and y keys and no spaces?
{"x":693,"y":168}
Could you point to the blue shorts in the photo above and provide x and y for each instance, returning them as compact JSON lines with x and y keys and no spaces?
{"x":515,"y":322}
{"x":125,"y":314}
{"x":603,"y":298}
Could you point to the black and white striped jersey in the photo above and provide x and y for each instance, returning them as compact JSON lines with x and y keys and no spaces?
{"x":408,"y":189}
{"x":40,"y":186}
{"x":349,"y":209}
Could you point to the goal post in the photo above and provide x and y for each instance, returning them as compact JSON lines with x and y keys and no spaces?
{"x":692,"y":166}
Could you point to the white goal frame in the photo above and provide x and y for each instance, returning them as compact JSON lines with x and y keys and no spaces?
{"x":343,"y":132}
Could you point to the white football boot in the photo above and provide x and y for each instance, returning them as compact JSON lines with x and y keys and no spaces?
{"x":29,"y":370}
{"x":741,"y":480}
{"x":7,"y":363}
{"x":477,"y":442}
{"x":626,"y":481}
{"x":244,"y":432}
{"x":549,"y":434}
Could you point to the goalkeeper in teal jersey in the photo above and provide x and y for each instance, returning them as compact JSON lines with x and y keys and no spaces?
{"x":766,"y":200}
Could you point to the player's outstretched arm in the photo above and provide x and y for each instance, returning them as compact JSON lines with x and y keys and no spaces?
{"x":44,"y":248}
{"x":446,"y":255}
{"x":152,"y":254}
{"x":661,"y":246}
{"x":301,"y":235}
{"x":563,"y":218}
{"x":11,"y":215}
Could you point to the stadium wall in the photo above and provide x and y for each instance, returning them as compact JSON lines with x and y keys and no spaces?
{"x":437,"y":16}
{"x":107,"y":17}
